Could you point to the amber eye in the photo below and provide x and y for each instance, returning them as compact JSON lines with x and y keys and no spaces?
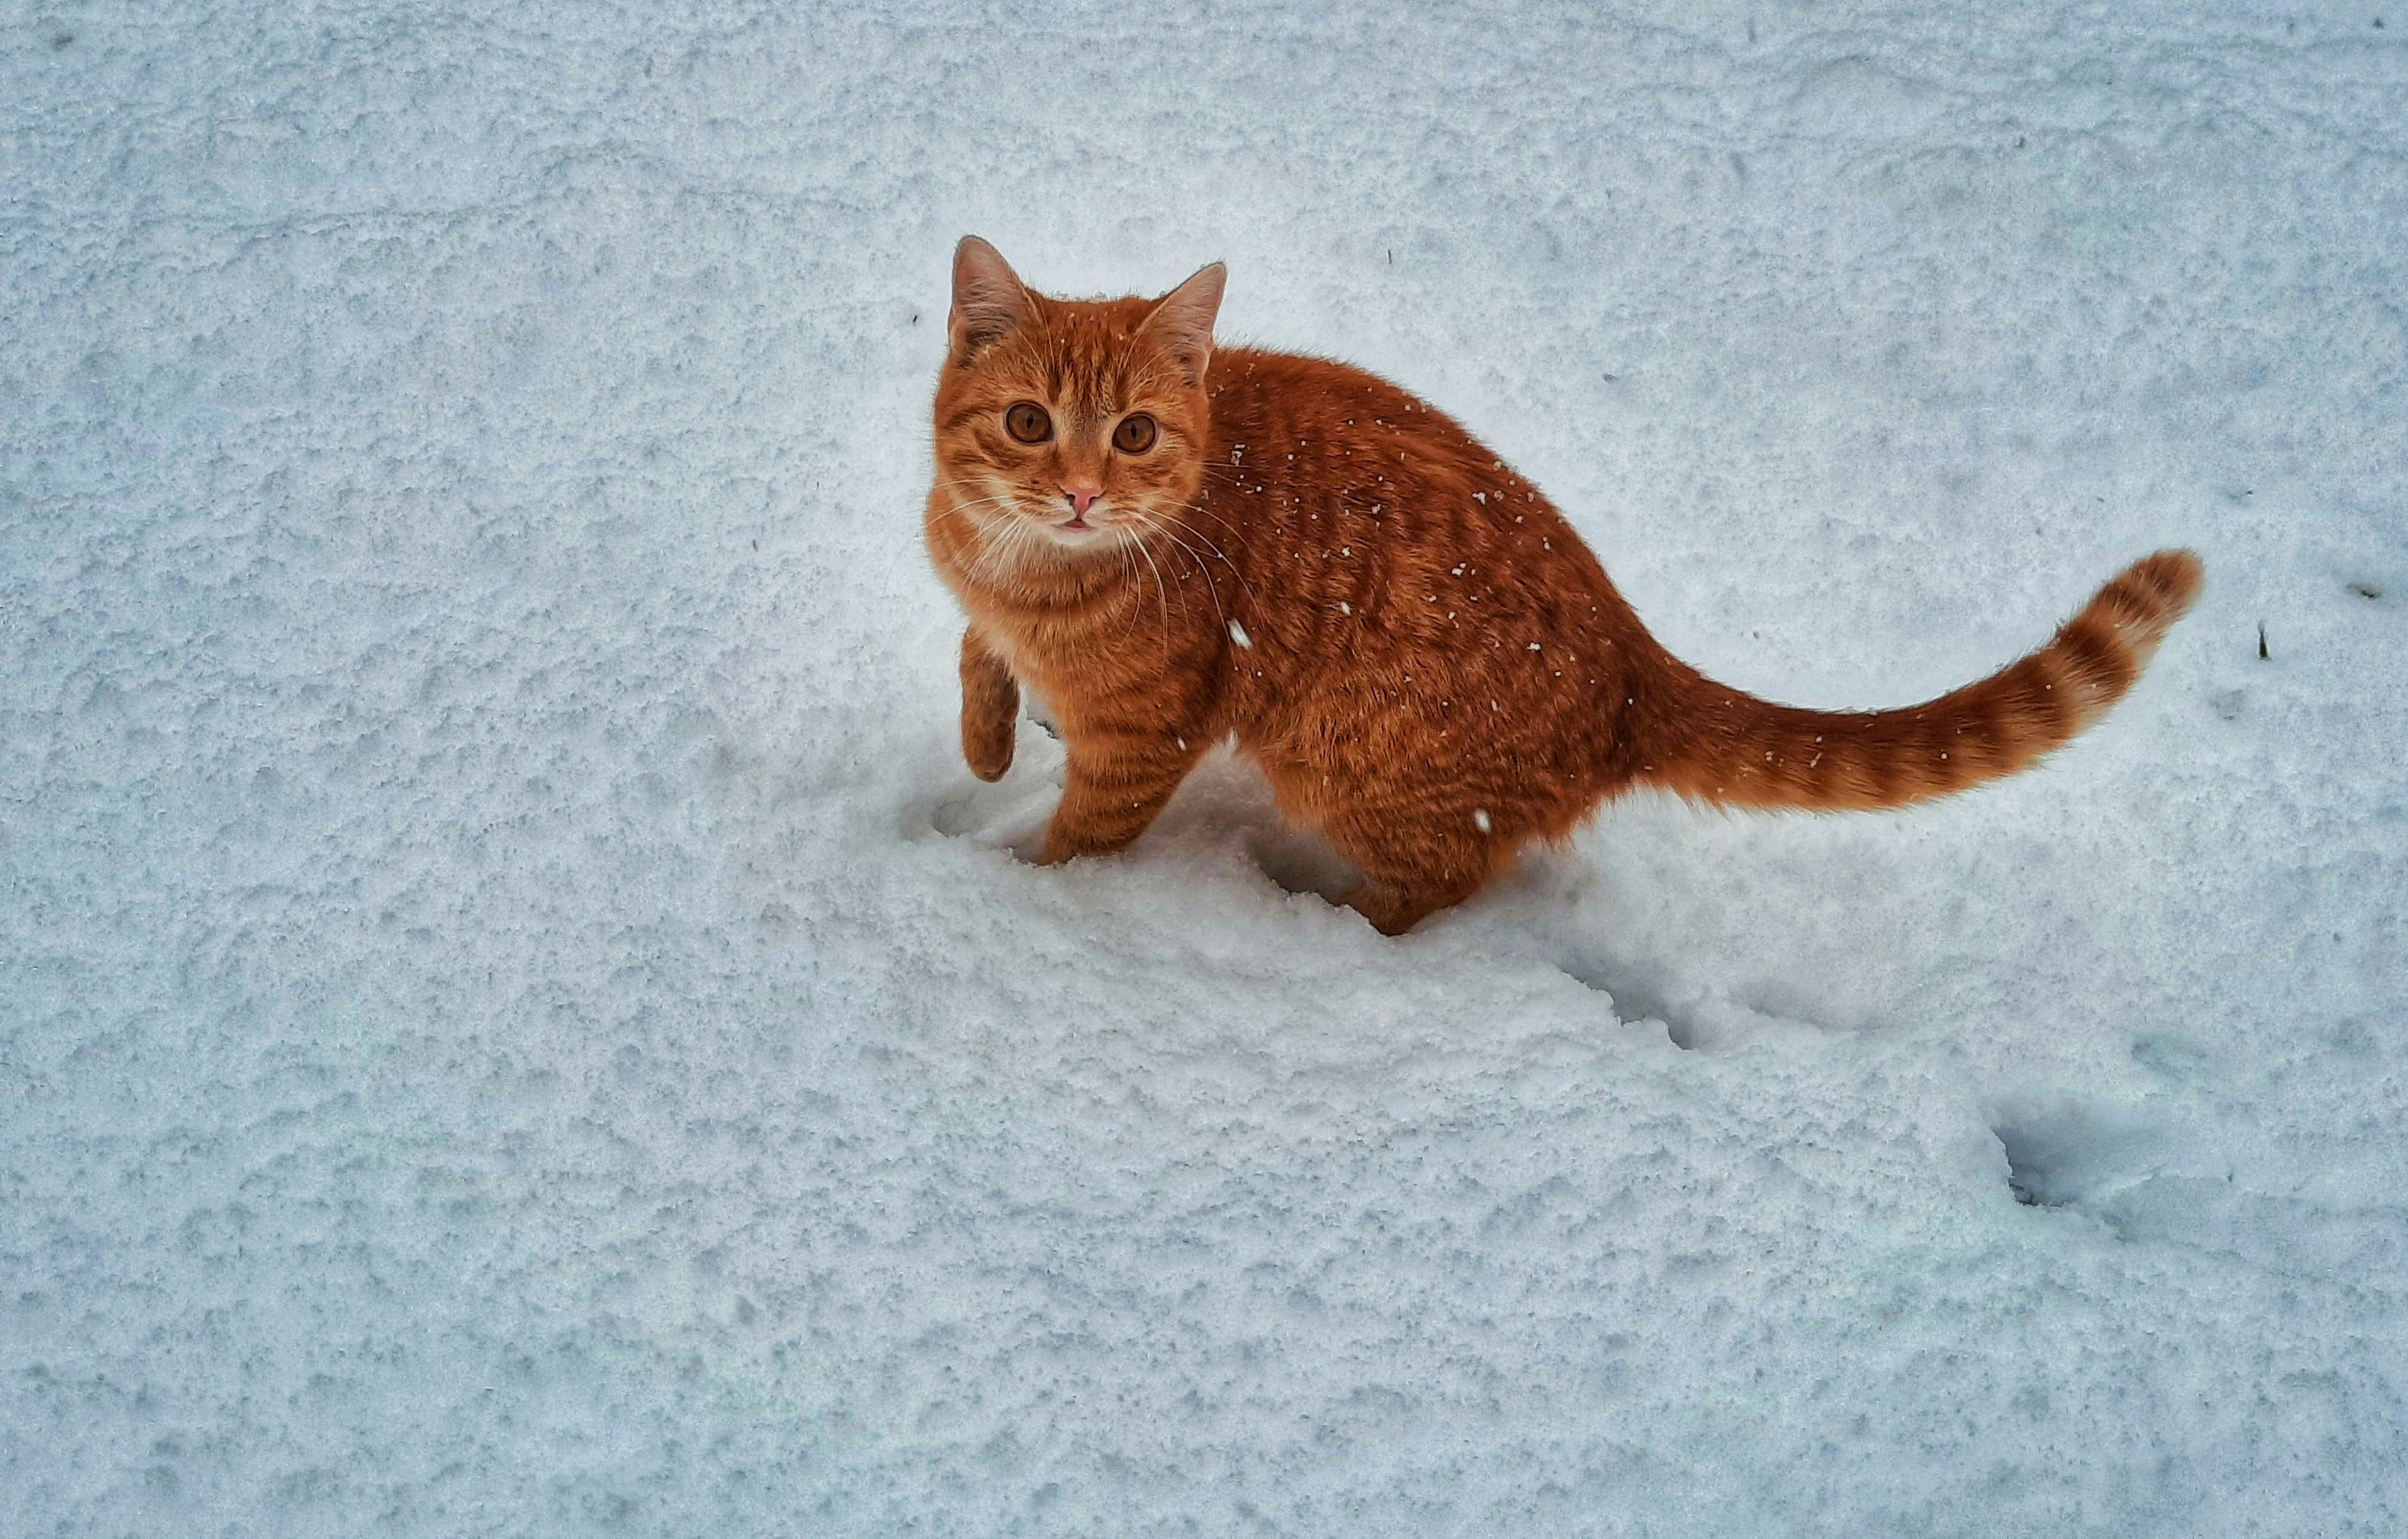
{"x":1029,"y":423}
{"x":1134,"y":435}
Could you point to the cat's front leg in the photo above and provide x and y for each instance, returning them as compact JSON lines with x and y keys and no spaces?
{"x":1118,"y":782}
{"x":990,"y":708}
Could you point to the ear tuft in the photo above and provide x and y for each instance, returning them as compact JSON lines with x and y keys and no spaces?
{"x":989,"y":299}
{"x":1183,"y":319}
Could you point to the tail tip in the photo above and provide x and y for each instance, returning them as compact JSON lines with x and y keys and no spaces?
{"x":2174,"y":575}
{"x":2140,"y":605}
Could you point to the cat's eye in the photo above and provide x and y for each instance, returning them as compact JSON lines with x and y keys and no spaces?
{"x":1029,"y":423}
{"x":1134,"y":435}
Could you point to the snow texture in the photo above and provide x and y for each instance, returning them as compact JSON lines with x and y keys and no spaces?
{"x":515,"y":1019}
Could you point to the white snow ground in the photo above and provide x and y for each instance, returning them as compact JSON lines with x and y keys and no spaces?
{"x":514,"y":1019}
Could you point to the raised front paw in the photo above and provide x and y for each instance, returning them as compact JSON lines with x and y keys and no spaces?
{"x":986,"y":743}
{"x":989,"y":709}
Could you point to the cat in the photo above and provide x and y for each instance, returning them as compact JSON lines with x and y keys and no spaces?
{"x":1174,"y":544}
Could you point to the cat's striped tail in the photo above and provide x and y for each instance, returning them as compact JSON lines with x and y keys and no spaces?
{"x":1732,"y":750}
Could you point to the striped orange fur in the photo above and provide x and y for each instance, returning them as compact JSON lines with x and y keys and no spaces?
{"x":1174,"y":545}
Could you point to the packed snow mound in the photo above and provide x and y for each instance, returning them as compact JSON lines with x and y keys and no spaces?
{"x":514,"y":1017}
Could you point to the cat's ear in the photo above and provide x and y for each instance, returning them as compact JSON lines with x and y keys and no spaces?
{"x":988,"y":297}
{"x":1183,"y":319}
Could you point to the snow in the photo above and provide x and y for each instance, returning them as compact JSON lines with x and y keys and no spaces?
{"x":514,"y":1017}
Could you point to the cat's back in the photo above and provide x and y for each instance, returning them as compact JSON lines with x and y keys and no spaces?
{"x":1260,"y":397}
{"x":1315,"y":449}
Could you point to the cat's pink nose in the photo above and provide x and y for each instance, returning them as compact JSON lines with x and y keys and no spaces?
{"x":1080,"y":496}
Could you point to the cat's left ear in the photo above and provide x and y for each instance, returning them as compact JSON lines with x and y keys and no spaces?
{"x":1183,"y":320}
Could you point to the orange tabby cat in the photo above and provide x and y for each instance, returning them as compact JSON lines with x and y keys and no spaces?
{"x":1174,"y":544}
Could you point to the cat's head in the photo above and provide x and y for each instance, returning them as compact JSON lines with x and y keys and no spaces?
{"x":1065,"y":427}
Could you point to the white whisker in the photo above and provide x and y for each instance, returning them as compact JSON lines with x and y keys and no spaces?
{"x":1201,"y":567}
{"x":1161,"y":592}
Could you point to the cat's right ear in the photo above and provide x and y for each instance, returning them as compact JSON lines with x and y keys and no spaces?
{"x":1184,"y":319}
{"x":988,"y":297}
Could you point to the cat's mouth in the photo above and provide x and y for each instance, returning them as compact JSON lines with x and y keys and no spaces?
{"x":1078,"y":529}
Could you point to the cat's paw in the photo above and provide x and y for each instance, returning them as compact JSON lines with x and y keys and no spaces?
{"x":1392,"y":911}
{"x":987,"y":748}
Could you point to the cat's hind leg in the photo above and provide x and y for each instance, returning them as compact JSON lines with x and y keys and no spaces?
{"x":1413,"y":868}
